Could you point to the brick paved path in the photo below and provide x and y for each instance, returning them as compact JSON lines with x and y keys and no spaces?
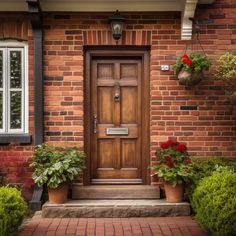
{"x":156,"y":226}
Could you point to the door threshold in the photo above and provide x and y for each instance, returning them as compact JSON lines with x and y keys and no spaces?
{"x":116,"y":181}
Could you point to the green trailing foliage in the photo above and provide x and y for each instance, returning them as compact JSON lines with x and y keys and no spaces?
{"x":55,"y":165}
{"x":13,"y":209}
{"x":214,"y":202}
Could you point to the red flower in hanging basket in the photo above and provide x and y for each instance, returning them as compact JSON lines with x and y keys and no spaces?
{"x":194,"y":62}
{"x":185,"y":56}
{"x":187,"y":62}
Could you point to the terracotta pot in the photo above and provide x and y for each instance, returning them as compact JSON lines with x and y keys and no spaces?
{"x":188,"y":79}
{"x":58,"y":195}
{"x":174,"y":194}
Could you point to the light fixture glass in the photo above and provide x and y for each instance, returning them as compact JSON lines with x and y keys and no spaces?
{"x":117,"y":22}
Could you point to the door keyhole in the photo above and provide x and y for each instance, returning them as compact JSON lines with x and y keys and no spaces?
{"x":117,"y":92}
{"x":117,"y":97}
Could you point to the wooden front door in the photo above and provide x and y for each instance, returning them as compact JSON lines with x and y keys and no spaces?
{"x":116,"y":120}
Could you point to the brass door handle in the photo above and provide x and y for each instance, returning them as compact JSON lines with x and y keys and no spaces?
{"x":117,"y":97}
{"x":95,"y":122}
{"x":117,"y":92}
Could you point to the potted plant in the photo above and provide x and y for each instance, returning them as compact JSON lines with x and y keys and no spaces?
{"x":174,"y":168}
{"x":190,"y":68}
{"x":56,"y":166}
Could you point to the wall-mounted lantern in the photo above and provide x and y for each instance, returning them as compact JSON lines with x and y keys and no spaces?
{"x":117,"y":22}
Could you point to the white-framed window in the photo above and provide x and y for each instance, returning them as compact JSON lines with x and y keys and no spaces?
{"x":13,"y":87}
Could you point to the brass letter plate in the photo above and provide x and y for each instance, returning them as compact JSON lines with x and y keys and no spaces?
{"x":117,"y":131}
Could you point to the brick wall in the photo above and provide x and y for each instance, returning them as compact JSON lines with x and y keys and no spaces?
{"x":200,"y":116}
{"x":14,"y":157}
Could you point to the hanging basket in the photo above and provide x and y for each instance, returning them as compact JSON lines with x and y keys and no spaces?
{"x":189,"y":79}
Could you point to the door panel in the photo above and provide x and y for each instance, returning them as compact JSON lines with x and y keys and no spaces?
{"x":105,"y":153}
{"x":129,"y":105}
{"x":128,"y":152}
{"x":116,"y":103}
{"x":105,"y":105}
{"x":105,"y":71}
{"x":128,"y":71}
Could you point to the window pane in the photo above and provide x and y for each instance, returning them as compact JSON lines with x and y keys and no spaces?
{"x":15,"y":110}
{"x":1,"y":69}
{"x":15,"y":69}
{"x":1,"y":109}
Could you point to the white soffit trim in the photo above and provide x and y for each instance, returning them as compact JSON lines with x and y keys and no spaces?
{"x":100,"y":5}
{"x":13,"y":5}
{"x":187,"y":25}
{"x":95,"y":5}
{"x":110,"y":5}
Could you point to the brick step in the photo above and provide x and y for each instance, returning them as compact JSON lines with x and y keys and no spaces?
{"x":114,"y":208}
{"x":115,"y":192}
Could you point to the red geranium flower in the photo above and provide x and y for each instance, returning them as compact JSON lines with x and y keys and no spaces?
{"x":167,"y":158}
{"x":187,"y":161}
{"x":164,"y":145}
{"x":170,"y":164}
{"x":181,"y":147}
{"x":187,"y":61}
{"x":190,"y":62}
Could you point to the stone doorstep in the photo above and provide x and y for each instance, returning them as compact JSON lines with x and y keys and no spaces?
{"x":114,"y":208}
{"x":115,"y":192}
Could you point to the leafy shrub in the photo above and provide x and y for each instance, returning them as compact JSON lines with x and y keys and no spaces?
{"x":2,"y":180}
{"x":214,"y":201}
{"x":226,"y":71}
{"x":3,"y":221}
{"x":54,"y":165}
{"x":204,"y":167}
{"x":13,"y":209}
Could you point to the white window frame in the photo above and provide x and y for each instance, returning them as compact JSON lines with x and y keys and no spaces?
{"x":3,"y":90}
{"x":7,"y":47}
